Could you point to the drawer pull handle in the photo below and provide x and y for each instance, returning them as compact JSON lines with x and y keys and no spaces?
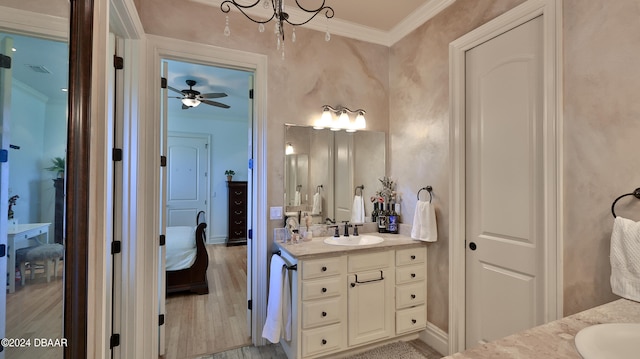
{"x":413,"y":257}
{"x":237,"y":202}
{"x":414,"y":321}
{"x":413,"y":296}
{"x":368,"y":281}
{"x":413,"y":275}
{"x":238,"y":193}
{"x":324,"y":341}
{"x":324,"y":314}
{"x":324,"y":290}
{"x":324,"y":269}
{"x":238,"y":222}
{"x":238,"y":233}
{"x":238,"y":212}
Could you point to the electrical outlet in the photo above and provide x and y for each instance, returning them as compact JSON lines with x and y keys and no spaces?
{"x":275,"y":213}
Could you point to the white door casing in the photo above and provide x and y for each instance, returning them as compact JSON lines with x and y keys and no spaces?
{"x":551,"y":158}
{"x":187,"y":178}
{"x":504,"y":172}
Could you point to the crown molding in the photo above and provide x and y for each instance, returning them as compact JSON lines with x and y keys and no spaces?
{"x":42,"y":25}
{"x":337,"y":26}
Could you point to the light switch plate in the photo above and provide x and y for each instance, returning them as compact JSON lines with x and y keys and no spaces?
{"x":275,"y":212}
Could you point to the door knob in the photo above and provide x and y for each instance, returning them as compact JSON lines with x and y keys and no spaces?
{"x":472,"y":246}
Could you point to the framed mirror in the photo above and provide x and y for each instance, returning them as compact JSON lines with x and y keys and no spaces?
{"x":324,"y":169}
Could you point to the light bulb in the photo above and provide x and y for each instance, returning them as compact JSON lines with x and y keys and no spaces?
{"x":191,"y":102}
{"x":325,"y":120}
{"x":289,"y":149}
{"x":361,"y":122}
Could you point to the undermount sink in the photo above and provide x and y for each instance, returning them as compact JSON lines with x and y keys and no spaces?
{"x":612,"y":340}
{"x":361,"y":240}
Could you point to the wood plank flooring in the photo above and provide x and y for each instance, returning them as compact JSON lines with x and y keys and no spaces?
{"x":35,"y":311}
{"x":214,"y":322}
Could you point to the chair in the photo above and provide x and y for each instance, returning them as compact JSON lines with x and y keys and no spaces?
{"x":46,"y":253}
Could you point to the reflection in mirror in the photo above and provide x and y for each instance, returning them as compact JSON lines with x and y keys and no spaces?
{"x":324,"y":168}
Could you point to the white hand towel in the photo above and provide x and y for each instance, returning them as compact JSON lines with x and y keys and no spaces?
{"x":278,"y":323}
{"x":357,"y":211}
{"x":296,"y":199}
{"x":424,"y":226}
{"x":625,"y":258}
{"x":317,"y":204}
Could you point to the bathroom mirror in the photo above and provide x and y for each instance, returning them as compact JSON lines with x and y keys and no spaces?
{"x":327,"y":166}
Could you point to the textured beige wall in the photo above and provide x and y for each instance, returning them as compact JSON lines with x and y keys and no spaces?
{"x":59,"y":8}
{"x":315,"y":72}
{"x":601,"y":139}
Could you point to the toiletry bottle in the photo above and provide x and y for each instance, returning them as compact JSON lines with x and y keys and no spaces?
{"x":374,"y":213}
{"x":382,"y":219}
{"x":392,"y":220}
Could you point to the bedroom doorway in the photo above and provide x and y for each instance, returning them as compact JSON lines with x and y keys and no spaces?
{"x":221,"y":112}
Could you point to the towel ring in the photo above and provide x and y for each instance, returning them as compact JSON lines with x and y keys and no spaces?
{"x":355,"y":191}
{"x":318,"y":188}
{"x":428,"y":189}
{"x":635,"y":193}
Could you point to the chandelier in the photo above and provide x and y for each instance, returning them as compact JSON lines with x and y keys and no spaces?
{"x":279,"y":14}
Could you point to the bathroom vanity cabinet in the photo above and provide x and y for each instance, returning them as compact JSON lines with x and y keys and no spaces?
{"x":355,"y":298}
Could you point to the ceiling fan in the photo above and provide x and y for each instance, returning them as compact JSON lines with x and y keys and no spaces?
{"x":192,"y":98}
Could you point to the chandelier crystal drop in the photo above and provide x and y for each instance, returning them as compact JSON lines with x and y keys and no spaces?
{"x":279,"y":15}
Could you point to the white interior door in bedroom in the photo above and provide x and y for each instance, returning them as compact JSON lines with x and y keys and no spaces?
{"x":187,"y":177}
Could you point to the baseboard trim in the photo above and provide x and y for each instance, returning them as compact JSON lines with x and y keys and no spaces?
{"x":436,"y":338}
{"x":217,"y":240}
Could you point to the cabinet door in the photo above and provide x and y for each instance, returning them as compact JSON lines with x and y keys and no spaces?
{"x":371,"y":306}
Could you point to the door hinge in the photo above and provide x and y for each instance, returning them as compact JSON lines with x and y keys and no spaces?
{"x":163,"y":240}
{"x":251,"y":94}
{"x":163,"y":161}
{"x":3,"y":250}
{"x":249,"y":305}
{"x":4,"y":156}
{"x":250,"y":234}
{"x":163,"y":83}
{"x":118,"y":62}
{"x":116,"y":247}
{"x":116,"y":154}
{"x":250,"y":163}
{"x":5,"y":61}
{"x":114,"y":341}
{"x":160,"y":319}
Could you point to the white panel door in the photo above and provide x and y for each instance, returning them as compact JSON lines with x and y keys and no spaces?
{"x":5,"y":111}
{"x":187,"y":186}
{"x":504,"y":148}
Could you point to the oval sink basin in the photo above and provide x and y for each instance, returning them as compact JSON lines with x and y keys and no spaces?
{"x":361,"y":240}
{"x":612,"y":340}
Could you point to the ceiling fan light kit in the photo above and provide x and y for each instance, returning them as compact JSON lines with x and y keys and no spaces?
{"x":276,"y":10}
{"x":192,"y":98}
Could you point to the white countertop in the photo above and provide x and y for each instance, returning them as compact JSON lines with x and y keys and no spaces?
{"x":554,"y":339}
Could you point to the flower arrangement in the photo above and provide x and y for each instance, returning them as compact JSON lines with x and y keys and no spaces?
{"x":12,"y":202}
{"x":387,"y":193}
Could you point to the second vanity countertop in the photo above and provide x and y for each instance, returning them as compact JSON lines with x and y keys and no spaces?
{"x":317,"y":247}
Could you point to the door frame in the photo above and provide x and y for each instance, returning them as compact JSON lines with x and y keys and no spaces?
{"x":552,"y":157}
{"x":158,"y":48}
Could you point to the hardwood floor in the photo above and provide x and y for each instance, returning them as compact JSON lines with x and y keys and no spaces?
{"x":204,"y":324}
{"x":35,"y":311}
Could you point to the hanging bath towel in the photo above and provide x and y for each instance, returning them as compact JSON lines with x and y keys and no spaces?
{"x":357,"y":211}
{"x":625,"y":258}
{"x":278,"y":323}
{"x":317,"y":204}
{"x":296,"y":198}
{"x":424,"y":227}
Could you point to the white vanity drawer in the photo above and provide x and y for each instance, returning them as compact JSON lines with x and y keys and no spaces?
{"x":410,"y":295}
{"x":411,"y":319}
{"x":411,"y":256}
{"x":323,"y":267}
{"x":320,"y":340}
{"x":320,"y":312}
{"x":410,"y":274}
{"x":363,"y":262}
{"x":323,"y":288}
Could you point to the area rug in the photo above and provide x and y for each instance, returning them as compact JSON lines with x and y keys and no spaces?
{"x":397,"y":350}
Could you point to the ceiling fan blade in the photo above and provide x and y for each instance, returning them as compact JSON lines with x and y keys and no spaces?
{"x":214,"y":103}
{"x":185,"y":107}
{"x":213,"y":95}
{"x":175,"y":89}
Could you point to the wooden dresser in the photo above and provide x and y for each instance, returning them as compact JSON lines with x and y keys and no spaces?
{"x":237,"y":234}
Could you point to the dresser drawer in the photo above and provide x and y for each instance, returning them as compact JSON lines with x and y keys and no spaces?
{"x":411,"y":319}
{"x":323,"y":288}
{"x":410,"y":274}
{"x":409,"y":295}
{"x":322,"y":340}
{"x":368,"y":261}
{"x":324,"y":267}
{"x":320,"y":312}
{"x":411,"y":256}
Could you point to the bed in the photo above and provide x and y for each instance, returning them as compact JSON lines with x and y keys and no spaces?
{"x":186,"y":258}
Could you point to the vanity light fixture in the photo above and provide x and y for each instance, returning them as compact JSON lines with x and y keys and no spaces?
{"x":343,"y":122}
{"x":289,"y":149}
